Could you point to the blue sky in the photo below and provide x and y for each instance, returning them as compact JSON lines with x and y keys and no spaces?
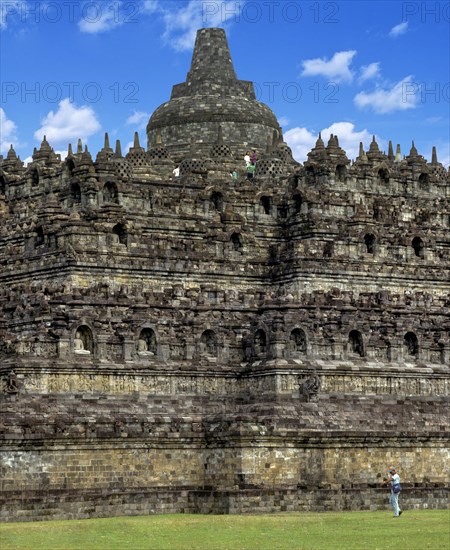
{"x":73,"y":68}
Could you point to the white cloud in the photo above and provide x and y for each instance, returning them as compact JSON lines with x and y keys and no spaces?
{"x":107,"y":15}
{"x":150,"y":6}
{"x":399,"y":29}
{"x":443,"y":155}
{"x":403,"y":95}
{"x":138,"y":120}
{"x":181,"y":25}
{"x":337,"y":68}
{"x":127,"y":147}
{"x":302,"y":140}
{"x":102,"y":16}
{"x":284,"y":121}
{"x":8,"y":132}
{"x":8,"y":11}
{"x":369,"y":71}
{"x":68,"y":123}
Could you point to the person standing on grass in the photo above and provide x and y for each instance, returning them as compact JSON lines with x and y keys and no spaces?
{"x":394,"y":481}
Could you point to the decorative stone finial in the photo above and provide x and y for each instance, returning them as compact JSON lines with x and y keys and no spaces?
{"x":118,"y":152}
{"x":79,"y":147}
{"x":69,"y":150}
{"x":11,"y":154}
{"x":390,"y":151}
{"x":362,"y":157}
{"x":136,"y":143}
{"x":45,"y":146}
{"x":413,"y":150}
{"x":374,"y":146}
{"x":434,"y":159}
{"x":106,"y":144}
{"x":398,"y":153}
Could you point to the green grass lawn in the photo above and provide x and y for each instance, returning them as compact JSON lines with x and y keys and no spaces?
{"x":415,"y":529}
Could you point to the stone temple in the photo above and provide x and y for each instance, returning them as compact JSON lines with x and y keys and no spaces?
{"x":193,"y":343}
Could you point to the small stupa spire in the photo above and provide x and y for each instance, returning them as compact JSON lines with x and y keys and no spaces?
{"x":11,"y":153}
{"x":391,"y":151}
{"x":118,"y":149}
{"x":434,"y":159}
{"x":106,"y":144}
{"x":398,"y":153}
{"x":320,"y":143}
{"x":69,"y":150}
{"x":413,"y":150}
{"x":79,"y":147}
{"x":374,"y":145}
{"x":219,"y":135}
{"x":136,"y":143}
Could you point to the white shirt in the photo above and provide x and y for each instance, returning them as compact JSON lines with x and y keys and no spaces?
{"x":395,"y":479}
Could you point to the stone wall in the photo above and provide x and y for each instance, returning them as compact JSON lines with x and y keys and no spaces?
{"x":195,"y":342}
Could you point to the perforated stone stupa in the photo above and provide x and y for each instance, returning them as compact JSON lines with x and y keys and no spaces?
{"x":193,"y":343}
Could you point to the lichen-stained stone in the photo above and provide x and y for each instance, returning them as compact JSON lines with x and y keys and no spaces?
{"x":176,"y":338}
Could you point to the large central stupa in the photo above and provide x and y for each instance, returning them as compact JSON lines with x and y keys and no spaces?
{"x":211,"y":96}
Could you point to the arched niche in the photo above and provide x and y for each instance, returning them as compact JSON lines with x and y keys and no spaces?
{"x":266,"y":203}
{"x":418,"y":247}
{"x":110,"y":193}
{"x":70,"y":165}
{"x":355,"y":343}
{"x":147,"y":343}
{"x":383,"y":176}
{"x":75,"y":193}
{"x":34,"y":177}
{"x":298,"y":201}
{"x":216,"y":201}
{"x":121,"y":234}
{"x":260,"y":342}
{"x":208,"y":343}
{"x":369,"y":241}
{"x":236,"y":241}
{"x":424,"y":180}
{"x":411,"y":345}
{"x":83,"y":342}
{"x":298,"y":341}
{"x":341,"y":172}
{"x":40,"y":237}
